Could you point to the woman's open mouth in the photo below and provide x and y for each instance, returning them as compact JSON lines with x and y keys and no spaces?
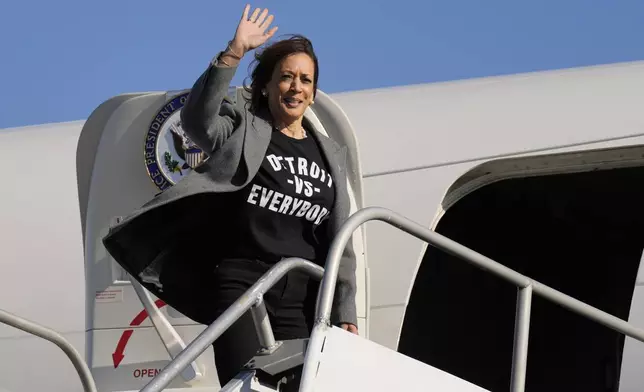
{"x":291,"y":102}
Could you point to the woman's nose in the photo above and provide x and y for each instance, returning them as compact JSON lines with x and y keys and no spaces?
{"x":296,"y":85}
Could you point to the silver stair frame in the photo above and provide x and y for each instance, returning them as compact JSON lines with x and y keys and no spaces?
{"x":50,"y":335}
{"x":254,"y":298}
{"x":526,"y":287}
{"x":167,"y":333}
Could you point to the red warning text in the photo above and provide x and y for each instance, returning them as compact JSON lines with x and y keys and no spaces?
{"x":145,"y":373}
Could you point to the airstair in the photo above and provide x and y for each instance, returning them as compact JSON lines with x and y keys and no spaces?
{"x":333,"y":359}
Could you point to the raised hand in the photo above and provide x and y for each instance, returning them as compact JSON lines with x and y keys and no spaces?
{"x":252,"y":31}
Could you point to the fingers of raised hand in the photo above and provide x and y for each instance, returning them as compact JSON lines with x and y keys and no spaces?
{"x":271,"y":32}
{"x":251,"y":31}
{"x":264,"y":22}
{"x":254,"y":15}
{"x":260,"y":19}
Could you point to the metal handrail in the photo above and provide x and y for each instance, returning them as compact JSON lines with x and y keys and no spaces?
{"x":45,"y":333}
{"x":251,"y":297}
{"x":526,"y":287}
{"x":254,"y":295}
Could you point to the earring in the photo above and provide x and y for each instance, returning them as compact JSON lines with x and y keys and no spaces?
{"x":264,"y":93}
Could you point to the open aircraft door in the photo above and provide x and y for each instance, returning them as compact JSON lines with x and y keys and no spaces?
{"x":131,"y":148}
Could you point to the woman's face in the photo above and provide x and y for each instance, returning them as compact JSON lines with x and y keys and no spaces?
{"x":290,"y":90}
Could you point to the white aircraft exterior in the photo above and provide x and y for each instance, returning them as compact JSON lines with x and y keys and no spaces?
{"x":515,"y":167}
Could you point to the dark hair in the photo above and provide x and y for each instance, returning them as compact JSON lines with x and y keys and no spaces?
{"x":266,"y":61}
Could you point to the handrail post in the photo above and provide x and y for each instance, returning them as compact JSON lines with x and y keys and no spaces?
{"x":330,"y":277}
{"x":521,"y":335}
{"x":228,"y":318}
{"x":52,"y":336}
{"x":367,"y":214}
{"x":169,"y":336}
{"x":325,"y":299}
{"x":263,"y":327}
{"x":526,"y":285}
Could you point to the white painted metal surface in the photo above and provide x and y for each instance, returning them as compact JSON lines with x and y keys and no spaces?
{"x":444,"y":123}
{"x":352,"y":363}
{"x":144,"y":357}
{"x":169,"y":336}
{"x":112,"y":159}
{"x":415,"y":142}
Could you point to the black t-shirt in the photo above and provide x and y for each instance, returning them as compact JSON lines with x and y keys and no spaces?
{"x":282,"y":212}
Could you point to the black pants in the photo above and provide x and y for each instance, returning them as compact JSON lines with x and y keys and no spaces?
{"x":289,"y":304}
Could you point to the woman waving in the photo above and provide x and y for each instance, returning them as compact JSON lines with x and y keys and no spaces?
{"x":273,"y":187}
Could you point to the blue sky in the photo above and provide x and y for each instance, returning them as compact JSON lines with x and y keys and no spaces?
{"x":60,"y":59}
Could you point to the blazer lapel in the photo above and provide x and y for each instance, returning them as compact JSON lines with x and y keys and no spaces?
{"x":335,"y":157}
{"x":258,"y":135}
{"x":333,"y":153}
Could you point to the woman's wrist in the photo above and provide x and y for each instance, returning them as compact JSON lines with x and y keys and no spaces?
{"x":232,"y":55}
{"x":236,"y":49}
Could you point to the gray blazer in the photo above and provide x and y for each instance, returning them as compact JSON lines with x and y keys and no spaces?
{"x":237,"y":142}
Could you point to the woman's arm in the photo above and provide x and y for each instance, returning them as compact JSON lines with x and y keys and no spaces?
{"x":206,"y":117}
{"x":344,"y":311}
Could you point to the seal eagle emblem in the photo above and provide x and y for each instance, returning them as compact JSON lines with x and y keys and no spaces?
{"x":169,"y":153}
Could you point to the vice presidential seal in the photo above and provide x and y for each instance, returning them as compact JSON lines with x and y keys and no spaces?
{"x":169,"y":153}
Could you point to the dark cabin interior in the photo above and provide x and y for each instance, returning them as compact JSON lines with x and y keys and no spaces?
{"x":581,"y":233}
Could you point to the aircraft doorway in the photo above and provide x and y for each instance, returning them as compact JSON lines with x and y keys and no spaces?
{"x":580,"y":233}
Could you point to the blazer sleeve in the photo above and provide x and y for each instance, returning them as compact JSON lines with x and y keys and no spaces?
{"x":344,"y":300}
{"x":207,"y":117}
{"x":344,"y":306}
